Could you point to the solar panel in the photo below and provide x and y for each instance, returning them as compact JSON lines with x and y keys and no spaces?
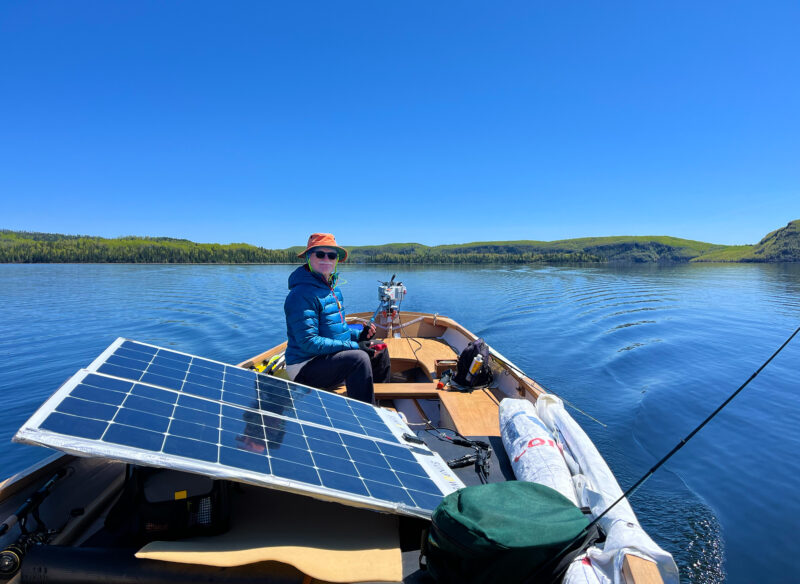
{"x":149,"y":405}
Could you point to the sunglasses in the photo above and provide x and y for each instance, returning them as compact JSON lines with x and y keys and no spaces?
{"x":332,"y":255}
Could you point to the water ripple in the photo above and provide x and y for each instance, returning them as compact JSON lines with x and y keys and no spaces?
{"x":648,"y":350}
{"x":629,"y":324}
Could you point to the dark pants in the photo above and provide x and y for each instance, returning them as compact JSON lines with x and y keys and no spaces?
{"x":354,"y":367}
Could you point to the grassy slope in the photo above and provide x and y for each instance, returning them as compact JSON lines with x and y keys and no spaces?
{"x":731,"y":253}
{"x":781,"y":245}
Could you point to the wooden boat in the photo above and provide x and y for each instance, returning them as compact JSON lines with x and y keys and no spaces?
{"x":422,"y":347}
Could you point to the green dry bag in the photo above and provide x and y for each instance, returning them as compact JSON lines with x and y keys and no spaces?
{"x":501,"y":532}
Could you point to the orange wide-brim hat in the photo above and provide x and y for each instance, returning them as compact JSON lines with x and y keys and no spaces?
{"x":323,"y":240}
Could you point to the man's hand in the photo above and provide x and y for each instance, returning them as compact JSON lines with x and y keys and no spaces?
{"x":367,"y":332}
{"x":367,"y":347}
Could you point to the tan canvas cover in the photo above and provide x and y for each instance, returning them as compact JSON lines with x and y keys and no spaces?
{"x":326,"y":541}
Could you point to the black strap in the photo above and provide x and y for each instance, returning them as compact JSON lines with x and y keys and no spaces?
{"x":553,"y":570}
{"x":423,"y":549}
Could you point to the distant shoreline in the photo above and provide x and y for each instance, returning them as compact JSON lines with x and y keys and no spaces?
{"x":23,"y":247}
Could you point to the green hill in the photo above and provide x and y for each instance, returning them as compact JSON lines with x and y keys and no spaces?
{"x":782,"y":245}
{"x":636,"y":249}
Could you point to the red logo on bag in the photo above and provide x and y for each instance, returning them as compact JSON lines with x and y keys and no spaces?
{"x":533,"y":443}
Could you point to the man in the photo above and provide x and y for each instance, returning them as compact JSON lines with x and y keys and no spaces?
{"x":322,"y":351}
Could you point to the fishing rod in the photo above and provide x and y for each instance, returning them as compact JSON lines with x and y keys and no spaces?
{"x":498,"y":357}
{"x":658,"y":465}
{"x":11,"y":557}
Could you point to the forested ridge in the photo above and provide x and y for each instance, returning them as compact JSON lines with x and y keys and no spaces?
{"x":781,"y":245}
{"x":34,"y":247}
{"x":31,"y":247}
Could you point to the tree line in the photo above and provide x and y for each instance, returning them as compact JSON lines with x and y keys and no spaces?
{"x":454,"y":257}
{"x":31,"y":247}
{"x":71,"y":249}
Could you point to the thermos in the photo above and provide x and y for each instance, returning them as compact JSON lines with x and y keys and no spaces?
{"x":474,"y":367}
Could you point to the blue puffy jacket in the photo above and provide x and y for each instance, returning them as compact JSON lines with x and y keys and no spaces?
{"x":315,"y":322}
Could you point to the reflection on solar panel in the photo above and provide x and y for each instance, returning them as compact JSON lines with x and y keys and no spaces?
{"x":153,"y":406}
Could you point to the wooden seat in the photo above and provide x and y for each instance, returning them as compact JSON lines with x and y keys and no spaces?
{"x":424,"y":351}
{"x":406,"y":390}
{"x":400,"y":390}
{"x":472,"y":414}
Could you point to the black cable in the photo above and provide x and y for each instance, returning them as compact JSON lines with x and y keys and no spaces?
{"x":407,"y":338}
{"x":672,"y":452}
{"x":482,"y":449}
{"x":482,"y":452}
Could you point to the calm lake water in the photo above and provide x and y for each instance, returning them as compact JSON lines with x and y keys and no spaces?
{"x":648,"y":350}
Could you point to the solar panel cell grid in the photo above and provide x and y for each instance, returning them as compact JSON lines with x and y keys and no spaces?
{"x":187,"y":408}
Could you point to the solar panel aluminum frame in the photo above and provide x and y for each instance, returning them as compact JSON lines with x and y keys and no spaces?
{"x":31,"y":433}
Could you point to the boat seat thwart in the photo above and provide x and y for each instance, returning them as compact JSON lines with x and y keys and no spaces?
{"x":472,"y":414}
{"x":421,"y":351}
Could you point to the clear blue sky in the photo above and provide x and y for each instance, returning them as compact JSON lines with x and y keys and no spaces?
{"x":435,"y":122}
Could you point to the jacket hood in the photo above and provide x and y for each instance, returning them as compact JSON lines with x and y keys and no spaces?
{"x":302,"y":276}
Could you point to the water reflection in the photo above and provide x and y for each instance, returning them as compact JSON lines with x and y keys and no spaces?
{"x":647,"y":349}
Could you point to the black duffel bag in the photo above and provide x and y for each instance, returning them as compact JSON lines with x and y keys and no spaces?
{"x":483,"y":376}
{"x":164,"y":504}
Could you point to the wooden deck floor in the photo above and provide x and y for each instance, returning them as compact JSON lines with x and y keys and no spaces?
{"x":424,"y":351}
{"x":472,"y":414}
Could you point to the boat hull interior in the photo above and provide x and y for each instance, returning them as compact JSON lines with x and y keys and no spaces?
{"x":422,"y":347}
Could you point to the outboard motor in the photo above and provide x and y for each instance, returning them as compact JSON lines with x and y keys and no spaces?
{"x":390,"y":296}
